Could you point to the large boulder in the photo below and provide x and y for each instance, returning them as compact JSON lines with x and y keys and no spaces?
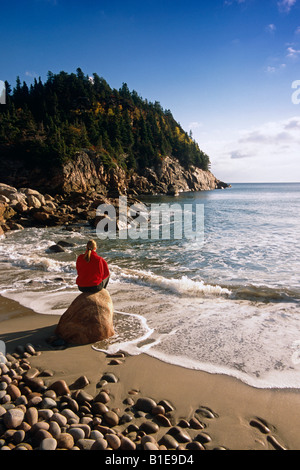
{"x":88,"y":319}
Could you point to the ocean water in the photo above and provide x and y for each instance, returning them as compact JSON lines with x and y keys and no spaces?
{"x":226,"y":302}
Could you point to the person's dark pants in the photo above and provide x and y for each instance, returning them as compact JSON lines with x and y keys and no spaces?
{"x":94,"y":289}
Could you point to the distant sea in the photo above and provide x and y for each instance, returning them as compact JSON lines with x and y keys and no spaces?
{"x":228,"y":303}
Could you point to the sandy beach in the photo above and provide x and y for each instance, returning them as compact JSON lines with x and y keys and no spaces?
{"x":234,"y":404}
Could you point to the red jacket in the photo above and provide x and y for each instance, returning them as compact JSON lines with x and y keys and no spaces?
{"x":91,"y":273}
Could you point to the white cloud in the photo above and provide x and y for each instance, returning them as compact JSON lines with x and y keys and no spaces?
{"x":297,"y":30}
{"x":271,"y":28}
{"x":265,"y":153}
{"x":293,"y":53}
{"x":273,"y":133}
{"x":274,"y":69}
{"x":285,"y":6}
{"x":237,"y":154}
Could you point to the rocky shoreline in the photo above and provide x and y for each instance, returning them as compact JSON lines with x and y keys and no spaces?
{"x":72,"y":193}
{"x":39,"y":412}
{"x":25,"y":207}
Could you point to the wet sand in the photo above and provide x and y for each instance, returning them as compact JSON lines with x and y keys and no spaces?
{"x":234,"y":404}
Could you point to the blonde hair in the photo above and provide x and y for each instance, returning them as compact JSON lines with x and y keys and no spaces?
{"x":91,"y":245}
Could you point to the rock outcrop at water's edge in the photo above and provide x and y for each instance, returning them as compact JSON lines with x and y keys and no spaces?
{"x":73,"y":192}
{"x":88,"y":319}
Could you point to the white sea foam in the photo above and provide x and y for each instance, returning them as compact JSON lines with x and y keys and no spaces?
{"x":122,"y":340}
{"x":45,"y":302}
{"x":38,"y":262}
{"x":183,"y":285}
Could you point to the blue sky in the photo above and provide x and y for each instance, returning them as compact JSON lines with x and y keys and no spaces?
{"x":224,"y":68}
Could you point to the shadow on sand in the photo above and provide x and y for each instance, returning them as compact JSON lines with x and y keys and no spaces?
{"x":43,"y":339}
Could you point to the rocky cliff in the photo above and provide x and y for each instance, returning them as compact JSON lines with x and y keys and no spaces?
{"x":86,"y":172}
{"x":74,"y":191}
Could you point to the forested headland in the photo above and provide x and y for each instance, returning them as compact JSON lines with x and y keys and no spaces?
{"x":45,"y":124}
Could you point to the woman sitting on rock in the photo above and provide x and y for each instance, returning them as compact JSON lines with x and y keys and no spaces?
{"x":92,"y":270}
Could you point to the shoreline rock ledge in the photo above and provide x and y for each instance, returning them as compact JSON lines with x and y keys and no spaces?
{"x":88,"y":319}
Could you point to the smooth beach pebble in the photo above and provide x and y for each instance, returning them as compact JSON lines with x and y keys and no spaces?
{"x":260,"y":425}
{"x":169,"y":441}
{"x":149,"y":427}
{"x":21,"y":400}
{"x":13,"y":418}
{"x":30,"y":349}
{"x":203,"y":438}
{"x":128,"y":401}
{"x":150,"y":446}
{"x":275,"y":443}
{"x":179,"y":434}
{"x":6,"y":379}
{"x":183,"y":436}
{"x":126,"y":418}
{"x":81,"y":382}
{"x":145,"y":404}
{"x":48,"y":443}
{"x":102,"y":397}
{"x":35,"y":383}
{"x":47,"y":373}
{"x":99,"y":408}
{"x":50,"y":394}
{"x":45,"y":414}
{"x":18,"y":436}
{"x":31,"y":416}
{"x":48,"y":403}
{"x":113,"y":440}
{"x":82,"y":396}
{"x":158,"y":410}
{"x":39,"y":425}
{"x":195,"y":445}
{"x":95,"y":434}
{"x":206,"y":412}
{"x":65,"y":441}
{"x":76,"y":433}
{"x":13,"y":391}
{"x":111,"y":418}
{"x":34,"y":401}
{"x":100,"y":444}
{"x":31,"y":373}
{"x":109,"y":377}
{"x":85,"y":444}
{"x":71,"y":403}
{"x":40,"y":436}
{"x":163,"y":420}
{"x":69,"y":414}
{"x":86,"y":429}
{"x":194,"y":423}
{"x":127,"y":444}
{"x":60,"y":387}
{"x":166,"y":405}
{"x":115,"y":362}
{"x":59,"y":418}
{"x":54,"y":429}
{"x":183,"y":423}
{"x":3,"y":367}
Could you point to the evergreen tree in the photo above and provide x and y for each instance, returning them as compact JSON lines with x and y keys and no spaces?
{"x":47,"y":123}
